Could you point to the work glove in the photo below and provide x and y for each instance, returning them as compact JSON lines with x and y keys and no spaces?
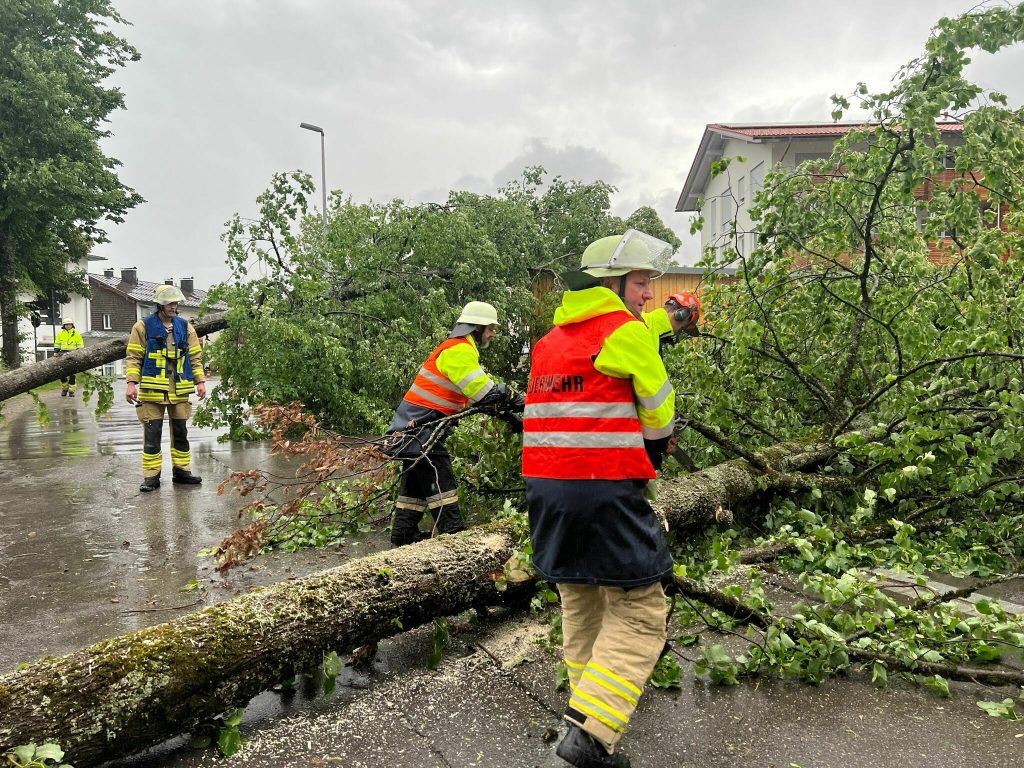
{"x":514,"y":421}
{"x":498,"y":395}
{"x":504,"y":399}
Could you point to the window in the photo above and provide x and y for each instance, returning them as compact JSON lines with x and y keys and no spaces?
{"x":756,"y":178}
{"x":728,"y":210}
{"x":991,"y":215}
{"x":106,"y":323}
{"x":741,"y":189}
{"x":922,"y":216}
{"x":949,"y":161}
{"x":709,"y":218}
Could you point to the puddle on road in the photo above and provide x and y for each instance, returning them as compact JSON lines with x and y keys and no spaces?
{"x":74,"y":430}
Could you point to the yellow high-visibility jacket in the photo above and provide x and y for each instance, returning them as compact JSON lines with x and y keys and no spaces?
{"x":68,"y":340}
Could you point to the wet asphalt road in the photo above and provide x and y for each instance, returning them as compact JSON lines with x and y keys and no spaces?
{"x":84,"y":555}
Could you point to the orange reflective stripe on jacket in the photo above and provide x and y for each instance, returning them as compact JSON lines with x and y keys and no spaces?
{"x":432,"y":389}
{"x":579,"y":423}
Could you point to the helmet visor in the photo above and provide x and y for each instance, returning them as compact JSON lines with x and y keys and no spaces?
{"x":635,"y":250}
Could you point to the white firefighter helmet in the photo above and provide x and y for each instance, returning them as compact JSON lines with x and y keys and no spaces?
{"x":478,"y":313}
{"x":619,"y":255}
{"x":166,"y":294}
{"x":67,"y":321}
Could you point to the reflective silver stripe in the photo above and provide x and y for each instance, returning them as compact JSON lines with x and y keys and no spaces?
{"x":433,"y":398}
{"x":482,"y":393}
{"x":470,"y":378}
{"x":441,"y":381}
{"x":583,"y":440}
{"x":406,"y":502}
{"x":656,"y":433}
{"x":580,"y":410}
{"x":655,"y":401}
{"x":611,"y":684}
{"x":450,"y":494}
{"x":442,"y":499}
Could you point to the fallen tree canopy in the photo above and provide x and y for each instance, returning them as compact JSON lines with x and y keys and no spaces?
{"x":31,"y":376}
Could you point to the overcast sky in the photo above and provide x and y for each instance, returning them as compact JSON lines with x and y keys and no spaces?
{"x":418,"y":97}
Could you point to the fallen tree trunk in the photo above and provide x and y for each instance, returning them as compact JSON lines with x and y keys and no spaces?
{"x":123,"y":695}
{"x":710,"y":495}
{"x":31,"y":376}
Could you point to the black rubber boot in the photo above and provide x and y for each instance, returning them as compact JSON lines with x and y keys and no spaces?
{"x":150,"y":484}
{"x":63,"y":393}
{"x":581,"y":749}
{"x":449,"y":519}
{"x":184,"y":477}
{"x":406,"y":528}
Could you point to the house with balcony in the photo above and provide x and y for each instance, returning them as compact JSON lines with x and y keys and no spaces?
{"x":764,"y":146}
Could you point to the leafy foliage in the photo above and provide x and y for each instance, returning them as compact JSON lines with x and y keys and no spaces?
{"x":341,"y":321}
{"x":58,"y":184}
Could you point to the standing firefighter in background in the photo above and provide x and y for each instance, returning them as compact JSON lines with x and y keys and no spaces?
{"x":67,"y":340}
{"x":165,"y":365}
{"x":599,"y":414}
{"x":449,"y":380}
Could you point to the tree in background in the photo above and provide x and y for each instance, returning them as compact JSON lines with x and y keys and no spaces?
{"x":56,"y":184}
{"x":341,"y":321}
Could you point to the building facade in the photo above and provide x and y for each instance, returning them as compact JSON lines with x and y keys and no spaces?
{"x":724,"y":200}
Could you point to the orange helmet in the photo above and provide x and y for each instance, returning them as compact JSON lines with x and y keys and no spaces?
{"x":686,"y":308}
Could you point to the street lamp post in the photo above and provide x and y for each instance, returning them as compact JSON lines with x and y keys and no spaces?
{"x":323,"y":165}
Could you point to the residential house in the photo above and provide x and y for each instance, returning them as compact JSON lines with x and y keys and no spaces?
{"x":763,"y":146}
{"x":39,"y":328}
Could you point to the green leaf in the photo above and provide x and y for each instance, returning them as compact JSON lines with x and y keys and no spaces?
{"x":229,"y":741}
{"x":234,"y":717}
{"x":49,"y":751}
{"x":1005,"y":709}
{"x":333,"y":664}
{"x":879,"y":674}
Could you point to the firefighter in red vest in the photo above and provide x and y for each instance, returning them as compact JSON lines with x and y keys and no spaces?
{"x":599,"y":414}
{"x":449,"y":380}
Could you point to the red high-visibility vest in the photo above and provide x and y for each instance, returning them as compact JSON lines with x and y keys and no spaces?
{"x":432,"y":389}
{"x":579,"y":423}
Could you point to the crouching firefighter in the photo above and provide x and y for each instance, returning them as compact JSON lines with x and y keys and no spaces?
{"x":451,"y":379}
{"x":165,"y":366}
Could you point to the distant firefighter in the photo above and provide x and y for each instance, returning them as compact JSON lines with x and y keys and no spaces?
{"x":165,"y":366}
{"x":67,"y":340}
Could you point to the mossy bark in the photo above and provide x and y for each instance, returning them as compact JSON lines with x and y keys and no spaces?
{"x":31,"y":376}
{"x":123,"y":695}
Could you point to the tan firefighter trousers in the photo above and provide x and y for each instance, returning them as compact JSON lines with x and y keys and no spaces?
{"x":612,"y":638}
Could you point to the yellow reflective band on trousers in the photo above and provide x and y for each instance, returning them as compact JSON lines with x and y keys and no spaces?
{"x":612,"y":682}
{"x":408,"y":502}
{"x":594,"y":707}
{"x":181,"y":458}
{"x":152,"y":460}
